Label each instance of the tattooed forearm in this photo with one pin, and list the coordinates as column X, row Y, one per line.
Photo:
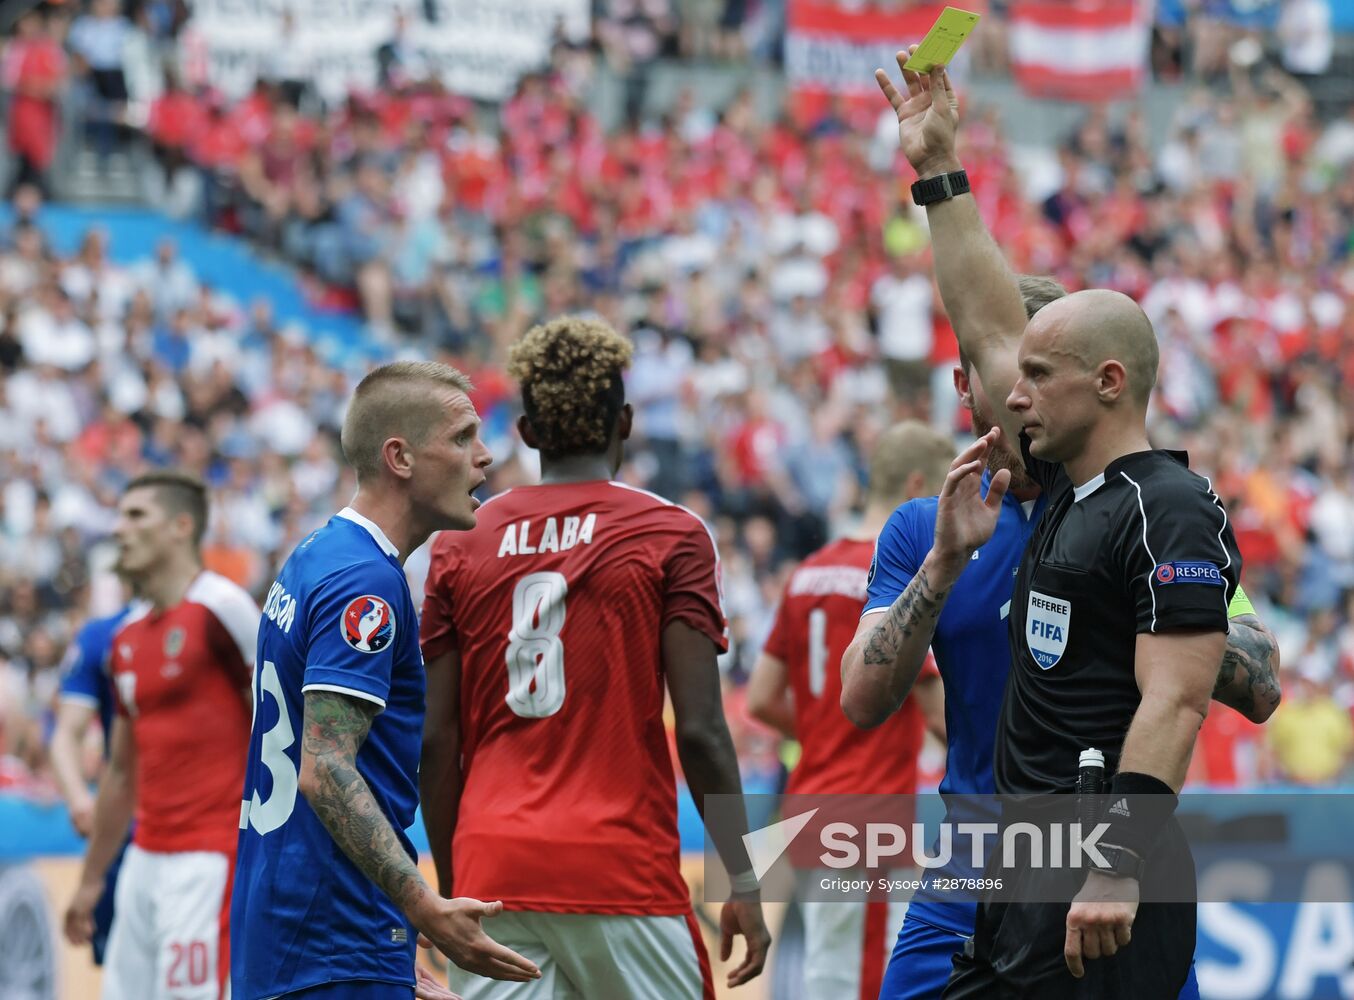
column 917, row 608
column 1248, row 679
column 883, row 661
column 333, row 730
column 911, row 621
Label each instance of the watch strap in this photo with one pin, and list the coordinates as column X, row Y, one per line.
column 1123, row 863
column 940, row 187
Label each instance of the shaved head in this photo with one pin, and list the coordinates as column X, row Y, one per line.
column 404, row 399
column 1098, row 325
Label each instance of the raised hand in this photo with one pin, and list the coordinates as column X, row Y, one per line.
column 965, row 519
column 928, row 115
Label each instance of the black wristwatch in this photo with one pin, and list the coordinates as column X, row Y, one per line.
column 1121, row 862
column 940, row 187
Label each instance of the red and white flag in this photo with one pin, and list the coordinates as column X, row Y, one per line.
column 1080, row 50
column 834, row 47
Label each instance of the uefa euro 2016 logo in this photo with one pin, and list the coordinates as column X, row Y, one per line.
column 368, row 626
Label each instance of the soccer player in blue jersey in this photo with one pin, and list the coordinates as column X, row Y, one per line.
column 86, row 695
column 924, row 592
column 329, row 901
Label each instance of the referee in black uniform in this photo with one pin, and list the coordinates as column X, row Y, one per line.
column 1119, row 617
column 1118, row 623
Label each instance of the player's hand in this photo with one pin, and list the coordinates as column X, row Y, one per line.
column 965, row 519
column 928, row 115
column 79, row 922
column 82, row 816
column 1100, row 921
column 744, row 917
column 428, row 988
column 453, row 927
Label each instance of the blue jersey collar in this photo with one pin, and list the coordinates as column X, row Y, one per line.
column 348, row 514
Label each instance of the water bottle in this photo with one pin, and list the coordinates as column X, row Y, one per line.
column 1090, row 784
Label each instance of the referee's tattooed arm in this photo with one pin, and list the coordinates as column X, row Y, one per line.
column 893, row 652
column 1248, row 680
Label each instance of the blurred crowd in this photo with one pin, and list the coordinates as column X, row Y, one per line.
column 776, row 282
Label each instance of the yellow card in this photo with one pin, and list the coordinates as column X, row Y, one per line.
column 943, row 40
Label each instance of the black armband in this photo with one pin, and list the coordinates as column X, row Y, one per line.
column 1139, row 805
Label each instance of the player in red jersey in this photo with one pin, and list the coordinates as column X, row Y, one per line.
column 181, row 672
column 550, row 631
column 796, row 688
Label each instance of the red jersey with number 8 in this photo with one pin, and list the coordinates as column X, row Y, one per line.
column 556, row 602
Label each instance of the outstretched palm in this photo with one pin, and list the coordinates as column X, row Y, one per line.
column 928, row 114
column 964, row 519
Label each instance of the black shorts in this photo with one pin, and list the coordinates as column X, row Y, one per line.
column 1018, row 946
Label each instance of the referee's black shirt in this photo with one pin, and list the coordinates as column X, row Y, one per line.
column 1144, row 547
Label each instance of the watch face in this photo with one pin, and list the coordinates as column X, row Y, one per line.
column 1121, row 863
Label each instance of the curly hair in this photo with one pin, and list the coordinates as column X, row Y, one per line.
column 572, row 391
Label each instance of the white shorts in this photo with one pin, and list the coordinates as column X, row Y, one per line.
column 847, row 947
column 586, row 956
column 170, row 935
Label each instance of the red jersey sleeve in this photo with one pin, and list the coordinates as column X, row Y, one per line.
column 778, row 642
column 232, row 624
column 437, row 627
column 692, row 592
column 226, row 653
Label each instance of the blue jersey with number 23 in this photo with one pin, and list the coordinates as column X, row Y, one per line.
column 338, row 618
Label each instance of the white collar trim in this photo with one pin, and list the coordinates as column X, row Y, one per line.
column 348, row 514
column 1087, row 488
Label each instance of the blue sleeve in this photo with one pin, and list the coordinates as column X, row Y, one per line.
column 353, row 621
column 83, row 679
column 898, row 554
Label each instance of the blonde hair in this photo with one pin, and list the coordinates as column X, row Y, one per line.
column 1037, row 291
column 395, row 400
column 572, row 391
column 906, row 448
